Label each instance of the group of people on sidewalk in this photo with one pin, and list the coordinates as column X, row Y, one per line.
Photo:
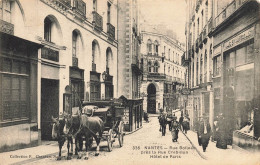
column 219, row 132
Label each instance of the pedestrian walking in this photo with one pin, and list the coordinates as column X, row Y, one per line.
column 221, row 133
column 175, row 130
column 204, row 132
column 185, row 125
column 181, row 122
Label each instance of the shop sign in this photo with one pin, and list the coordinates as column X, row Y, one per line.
column 246, row 35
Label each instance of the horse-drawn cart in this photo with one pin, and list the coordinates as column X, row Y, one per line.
column 111, row 114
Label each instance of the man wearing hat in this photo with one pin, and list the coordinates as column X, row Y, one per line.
column 204, row 132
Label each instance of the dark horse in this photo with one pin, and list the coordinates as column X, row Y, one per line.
column 59, row 132
column 88, row 127
column 163, row 121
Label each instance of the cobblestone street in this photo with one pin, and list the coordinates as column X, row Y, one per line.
column 143, row 146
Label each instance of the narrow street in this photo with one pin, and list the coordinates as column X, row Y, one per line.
column 144, row 146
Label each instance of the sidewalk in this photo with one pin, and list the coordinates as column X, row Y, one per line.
column 223, row 156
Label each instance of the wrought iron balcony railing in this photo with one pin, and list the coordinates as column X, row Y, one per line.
column 97, row 21
column 230, row 9
column 80, row 7
column 65, row 4
column 110, row 31
column 6, row 27
column 50, row 54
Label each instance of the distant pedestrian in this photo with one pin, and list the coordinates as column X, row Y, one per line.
column 175, row 130
column 204, row 132
column 185, row 125
column 181, row 122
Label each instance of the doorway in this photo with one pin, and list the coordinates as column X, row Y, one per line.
column 49, row 106
column 151, row 99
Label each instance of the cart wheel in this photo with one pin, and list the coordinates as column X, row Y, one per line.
column 121, row 134
column 110, row 140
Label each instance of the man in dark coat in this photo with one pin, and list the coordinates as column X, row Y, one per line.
column 181, row 121
column 204, row 132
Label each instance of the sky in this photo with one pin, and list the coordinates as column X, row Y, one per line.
column 169, row 12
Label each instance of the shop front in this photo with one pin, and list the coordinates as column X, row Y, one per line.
column 18, row 92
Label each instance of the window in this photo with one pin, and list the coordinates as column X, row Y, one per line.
column 156, row 65
column 95, row 5
column 198, row 27
column 47, row 29
column 149, row 66
column 156, row 47
column 149, row 46
column 169, row 54
column 94, row 91
column 5, row 11
column 108, row 12
column 74, row 44
column 14, row 84
column 216, row 65
column 93, row 52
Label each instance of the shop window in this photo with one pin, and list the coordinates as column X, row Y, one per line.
column 14, row 84
column 241, row 56
column 250, row 53
column 94, row 91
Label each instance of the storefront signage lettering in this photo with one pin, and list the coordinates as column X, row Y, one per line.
column 246, row 35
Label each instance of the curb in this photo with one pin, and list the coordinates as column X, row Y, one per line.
column 128, row 133
column 201, row 155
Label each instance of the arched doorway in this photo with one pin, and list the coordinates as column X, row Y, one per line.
column 151, row 99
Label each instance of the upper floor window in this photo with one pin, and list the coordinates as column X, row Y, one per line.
column 74, row 43
column 47, row 29
column 149, row 46
column 108, row 12
column 156, row 47
column 95, row 5
column 169, row 54
column 156, row 66
column 149, row 66
column 5, row 10
column 93, row 51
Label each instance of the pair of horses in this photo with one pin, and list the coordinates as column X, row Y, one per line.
column 76, row 127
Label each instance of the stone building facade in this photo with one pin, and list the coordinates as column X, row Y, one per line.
column 163, row 75
column 69, row 54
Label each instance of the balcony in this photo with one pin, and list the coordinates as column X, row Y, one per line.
column 156, row 76
column 136, row 66
column 79, row 7
column 186, row 59
column 97, row 21
column 75, row 61
column 110, row 31
column 204, row 35
column 94, row 67
column 63, row 4
column 200, row 40
column 6, row 27
column 229, row 10
column 210, row 26
column 50, row 54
